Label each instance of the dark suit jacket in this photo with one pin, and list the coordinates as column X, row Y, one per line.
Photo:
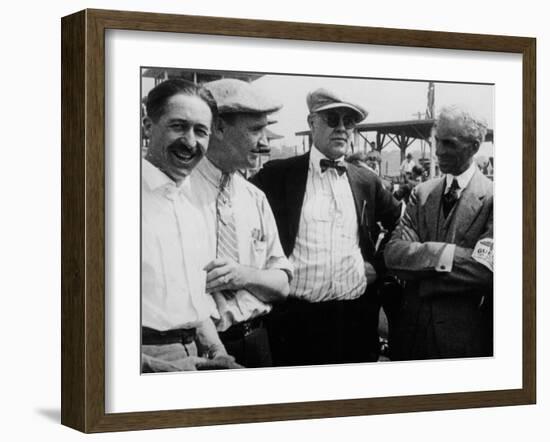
column 284, row 183
column 443, row 314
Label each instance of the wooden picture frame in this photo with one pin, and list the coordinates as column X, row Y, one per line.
column 83, row 219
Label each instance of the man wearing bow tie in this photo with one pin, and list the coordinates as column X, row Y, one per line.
column 327, row 213
column 443, row 251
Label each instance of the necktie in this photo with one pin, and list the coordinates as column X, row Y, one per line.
column 227, row 245
column 450, row 198
column 339, row 166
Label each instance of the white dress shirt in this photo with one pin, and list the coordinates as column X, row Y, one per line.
column 172, row 280
column 327, row 260
column 463, row 179
column 257, row 236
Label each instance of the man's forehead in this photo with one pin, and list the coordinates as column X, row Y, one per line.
column 184, row 100
column 186, row 107
column 446, row 130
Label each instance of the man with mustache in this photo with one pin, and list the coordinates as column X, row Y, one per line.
column 443, row 251
column 327, row 213
column 177, row 331
column 247, row 270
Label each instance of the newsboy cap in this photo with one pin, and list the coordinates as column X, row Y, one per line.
column 237, row 96
column 322, row 99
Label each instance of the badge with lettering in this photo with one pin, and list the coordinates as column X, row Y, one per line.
column 483, row 252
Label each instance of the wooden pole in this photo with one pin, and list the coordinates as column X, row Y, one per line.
column 432, row 155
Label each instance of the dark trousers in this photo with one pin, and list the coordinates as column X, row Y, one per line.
column 330, row 332
column 248, row 343
column 442, row 326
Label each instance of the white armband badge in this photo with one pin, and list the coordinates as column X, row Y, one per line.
column 483, row 252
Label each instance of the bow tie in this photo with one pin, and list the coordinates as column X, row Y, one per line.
column 339, row 166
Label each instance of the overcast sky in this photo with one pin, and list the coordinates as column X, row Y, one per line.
column 385, row 100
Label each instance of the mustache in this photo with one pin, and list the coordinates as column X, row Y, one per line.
column 179, row 144
column 261, row 150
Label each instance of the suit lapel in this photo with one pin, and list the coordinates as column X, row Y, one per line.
column 469, row 205
column 364, row 208
column 432, row 210
column 359, row 197
column 294, row 193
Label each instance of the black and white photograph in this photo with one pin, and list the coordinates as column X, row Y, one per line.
column 271, row 221
column 300, row 220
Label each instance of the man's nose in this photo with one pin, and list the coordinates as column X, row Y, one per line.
column 341, row 125
column 263, row 141
column 189, row 138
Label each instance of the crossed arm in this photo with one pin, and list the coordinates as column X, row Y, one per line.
column 268, row 285
column 439, row 267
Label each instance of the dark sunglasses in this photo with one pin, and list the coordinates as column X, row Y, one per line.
column 332, row 119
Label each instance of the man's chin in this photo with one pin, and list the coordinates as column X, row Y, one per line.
column 181, row 172
column 338, row 151
column 447, row 170
column 253, row 161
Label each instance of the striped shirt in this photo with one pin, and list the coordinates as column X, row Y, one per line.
column 327, row 260
column 257, row 235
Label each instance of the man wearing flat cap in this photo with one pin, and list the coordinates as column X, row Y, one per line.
column 248, row 270
column 327, row 213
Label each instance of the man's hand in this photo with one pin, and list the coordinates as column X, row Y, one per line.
column 370, row 273
column 226, row 274
column 218, row 363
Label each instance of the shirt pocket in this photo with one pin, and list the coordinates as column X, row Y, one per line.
column 320, row 208
column 258, row 253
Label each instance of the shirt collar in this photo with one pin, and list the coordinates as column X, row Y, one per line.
column 315, row 157
column 154, row 177
column 463, row 179
column 210, row 172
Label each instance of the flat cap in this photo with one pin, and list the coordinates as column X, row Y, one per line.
column 323, row 99
column 237, row 96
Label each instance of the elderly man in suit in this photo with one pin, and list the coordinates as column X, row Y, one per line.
column 442, row 251
column 327, row 212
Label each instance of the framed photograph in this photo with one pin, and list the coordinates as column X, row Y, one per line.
column 136, row 217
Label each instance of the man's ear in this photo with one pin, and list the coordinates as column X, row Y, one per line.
column 218, row 128
column 147, row 127
column 310, row 121
column 475, row 147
